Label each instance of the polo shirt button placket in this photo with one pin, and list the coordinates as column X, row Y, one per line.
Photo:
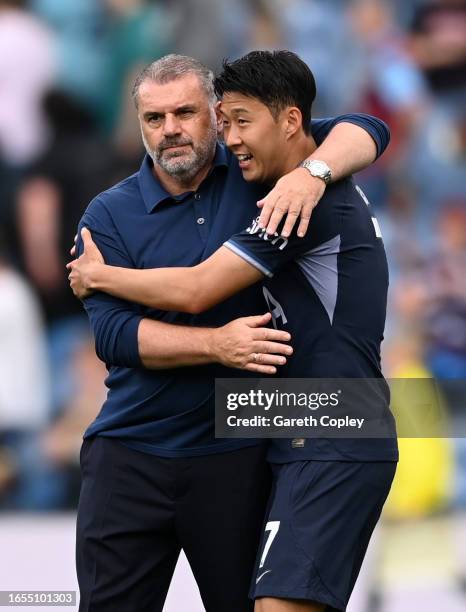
column 200, row 219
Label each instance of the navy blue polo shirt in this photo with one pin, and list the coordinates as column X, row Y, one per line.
column 329, row 290
column 137, row 224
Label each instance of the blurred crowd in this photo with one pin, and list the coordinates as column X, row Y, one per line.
column 68, row 131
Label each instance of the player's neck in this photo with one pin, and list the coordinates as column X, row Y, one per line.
column 299, row 149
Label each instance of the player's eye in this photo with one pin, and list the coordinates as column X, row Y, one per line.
column 242, row 122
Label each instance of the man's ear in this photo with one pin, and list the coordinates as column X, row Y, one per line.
column 219, row 117
column 294, row 121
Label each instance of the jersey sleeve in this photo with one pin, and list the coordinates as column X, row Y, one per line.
column 271, row 253
column 375, row 127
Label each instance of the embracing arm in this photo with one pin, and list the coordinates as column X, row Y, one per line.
column 348, row 149
column 347, row 144
column 192, row 290
column 125, row 337
column 244, row 343
column 122, row 338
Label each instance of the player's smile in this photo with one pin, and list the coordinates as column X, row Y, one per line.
column 244, row 160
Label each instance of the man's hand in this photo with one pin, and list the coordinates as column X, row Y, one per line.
column 246, row 344
column 83, row 269
column 294, row 195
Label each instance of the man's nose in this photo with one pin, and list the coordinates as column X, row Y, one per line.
column 171, row 126
column 231, row 136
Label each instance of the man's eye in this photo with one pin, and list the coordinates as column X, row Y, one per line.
column 155, row 119
column 186, row 113
column 242, row 122
column 226, row 124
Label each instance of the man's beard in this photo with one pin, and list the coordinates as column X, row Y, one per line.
column 183, row 165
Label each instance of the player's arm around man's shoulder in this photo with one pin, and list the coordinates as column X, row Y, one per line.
column 347, row 144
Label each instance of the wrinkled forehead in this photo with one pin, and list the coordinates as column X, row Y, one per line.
column 166, row 97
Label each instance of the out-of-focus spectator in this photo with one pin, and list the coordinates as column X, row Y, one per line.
column 24, row 376
column 59, row 445
column 138, row 33
column 437, row 165
column 428, row 312
column 404, row 11
column 401, row 232
column 430, row 296
column 265, row 31
column 211, row 30
column 392, row 88
column 243, row 23
column 446, row 311
column 77, row 166
column 424, row 479
column 27, row 68
column 39, row 451
column 39, row 468
column 80, row 30
column 318, row 32
column 438, row 43
column 198, row 31
column 62, row 441
column 24, row 389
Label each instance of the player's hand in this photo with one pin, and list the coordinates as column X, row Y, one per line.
column 83, row 270
column 246, row 344
column 294, row 195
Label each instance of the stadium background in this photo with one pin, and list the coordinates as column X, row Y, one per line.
column 68, row 130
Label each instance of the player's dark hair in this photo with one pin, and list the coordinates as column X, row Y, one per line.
column 277, row 78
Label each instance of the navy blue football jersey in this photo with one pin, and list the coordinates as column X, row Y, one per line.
column 329, row 290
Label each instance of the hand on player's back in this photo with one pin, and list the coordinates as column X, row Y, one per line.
column 246, row 344
column 82, row 269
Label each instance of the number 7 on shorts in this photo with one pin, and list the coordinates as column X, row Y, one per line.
column 273, row 527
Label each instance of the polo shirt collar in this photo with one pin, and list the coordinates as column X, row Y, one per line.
column 153, row 193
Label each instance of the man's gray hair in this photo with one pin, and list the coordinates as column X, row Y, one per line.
column 171, row 67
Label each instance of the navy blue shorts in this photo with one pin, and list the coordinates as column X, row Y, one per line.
column 319, row 521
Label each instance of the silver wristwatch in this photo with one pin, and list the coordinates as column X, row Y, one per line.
column 317, row 168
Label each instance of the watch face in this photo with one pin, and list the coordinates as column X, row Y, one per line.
column 319, row 167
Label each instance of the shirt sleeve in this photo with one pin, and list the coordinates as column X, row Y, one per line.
column 114, row 322
column 271, row 253
column 376, row 128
